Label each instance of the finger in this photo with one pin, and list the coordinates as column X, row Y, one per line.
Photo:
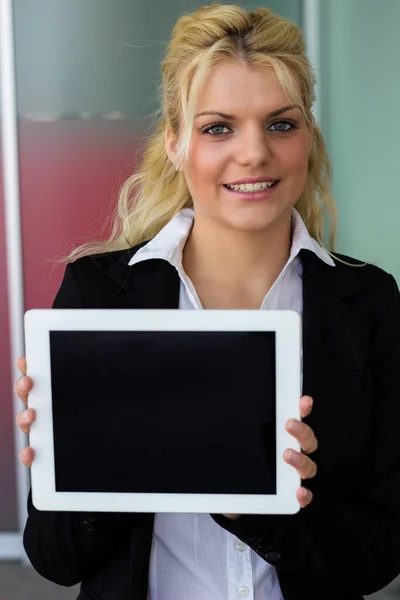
column 26, row 456
column 303, row 434
column 22, row 388
column 304, row 496
column 25, row 419
column 306, row 404
column 21, row 364
column 306, row 468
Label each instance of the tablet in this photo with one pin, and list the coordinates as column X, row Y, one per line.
column 163, row 410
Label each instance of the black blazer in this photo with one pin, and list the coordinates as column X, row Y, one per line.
column 347, row 541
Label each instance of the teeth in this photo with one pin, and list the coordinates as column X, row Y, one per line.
column 251, row 187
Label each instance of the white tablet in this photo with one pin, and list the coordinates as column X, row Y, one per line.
column 163, row 410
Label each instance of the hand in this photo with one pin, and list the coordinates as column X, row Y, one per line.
column 303, row 464
column 26, row 417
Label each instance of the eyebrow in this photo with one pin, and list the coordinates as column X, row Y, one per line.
column 274, row 113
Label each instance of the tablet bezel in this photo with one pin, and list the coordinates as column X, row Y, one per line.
column 287, row 327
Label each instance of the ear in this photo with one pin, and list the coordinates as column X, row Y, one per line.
column 171, row 147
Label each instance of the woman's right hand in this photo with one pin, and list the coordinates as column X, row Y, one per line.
column 26, row 417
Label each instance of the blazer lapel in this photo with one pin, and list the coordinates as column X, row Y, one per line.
column 152, row 283
column 335, row 343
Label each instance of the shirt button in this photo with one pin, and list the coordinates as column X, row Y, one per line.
column 243, row 592
column 241, row 546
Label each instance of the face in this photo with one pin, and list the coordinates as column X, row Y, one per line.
column 244, row 140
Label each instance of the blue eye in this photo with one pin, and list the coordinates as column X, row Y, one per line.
column 278, row 125
column 216, row 129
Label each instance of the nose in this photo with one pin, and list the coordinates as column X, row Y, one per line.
column 253, row 148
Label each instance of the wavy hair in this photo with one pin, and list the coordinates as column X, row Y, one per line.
column 152, row 195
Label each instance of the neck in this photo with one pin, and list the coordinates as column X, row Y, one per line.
column 242, row 266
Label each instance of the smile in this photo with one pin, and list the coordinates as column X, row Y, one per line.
column 251, row 187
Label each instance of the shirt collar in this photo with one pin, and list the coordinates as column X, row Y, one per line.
column 168, row 244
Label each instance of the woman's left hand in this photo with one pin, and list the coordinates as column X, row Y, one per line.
column 303, row 464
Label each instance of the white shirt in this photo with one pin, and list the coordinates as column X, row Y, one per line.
column 192, row 557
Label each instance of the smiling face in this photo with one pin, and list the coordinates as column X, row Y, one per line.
column 245, row 138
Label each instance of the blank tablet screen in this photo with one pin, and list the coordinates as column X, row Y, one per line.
column 164, row 412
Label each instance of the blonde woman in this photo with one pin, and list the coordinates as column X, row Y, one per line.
column 226, row 211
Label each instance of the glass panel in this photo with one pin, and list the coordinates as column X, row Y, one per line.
column 87, row 75
column 361, row 125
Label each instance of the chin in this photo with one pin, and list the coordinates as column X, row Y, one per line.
column 255, row 220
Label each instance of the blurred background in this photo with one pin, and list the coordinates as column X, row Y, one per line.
column 86, row 81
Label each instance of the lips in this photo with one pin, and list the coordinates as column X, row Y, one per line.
column 252, row 192
column 257, row 179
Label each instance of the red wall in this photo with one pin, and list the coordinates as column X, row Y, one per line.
column 70, row 173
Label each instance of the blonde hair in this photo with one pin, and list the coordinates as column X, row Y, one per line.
column 151, row 197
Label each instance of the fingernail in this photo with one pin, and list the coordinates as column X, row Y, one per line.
column 27, row 418
column 293, row 458
column 292, row 424
column 303, row 499
column 289, row 454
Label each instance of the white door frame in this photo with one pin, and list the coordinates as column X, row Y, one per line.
column 11, row 543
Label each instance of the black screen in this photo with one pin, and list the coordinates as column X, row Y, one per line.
column 164, row 412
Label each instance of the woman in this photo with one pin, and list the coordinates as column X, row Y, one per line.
column 226, row 212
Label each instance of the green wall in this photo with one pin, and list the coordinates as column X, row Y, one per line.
column 360, row 78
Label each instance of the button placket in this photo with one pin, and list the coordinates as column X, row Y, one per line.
column 250, row 575
column 239, row 569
